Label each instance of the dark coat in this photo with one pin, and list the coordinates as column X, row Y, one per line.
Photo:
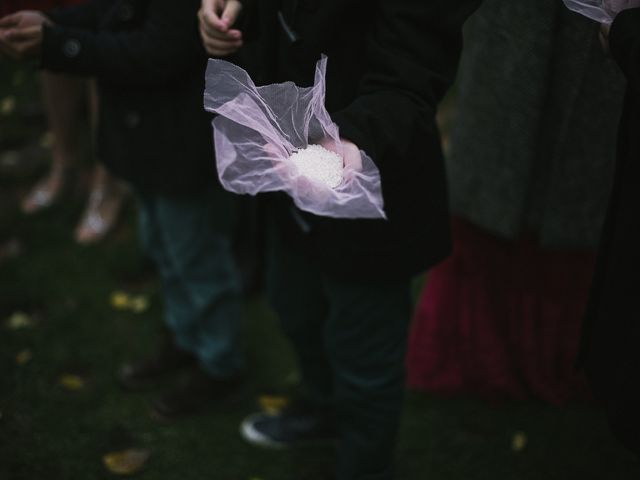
column 389, row 64
column 611, row 346
column 149, row 63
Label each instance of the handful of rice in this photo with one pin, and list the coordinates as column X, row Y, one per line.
column 319, row 164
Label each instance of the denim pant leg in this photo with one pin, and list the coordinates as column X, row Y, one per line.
column 150, row 234
column 366, row 337
column 202, row 288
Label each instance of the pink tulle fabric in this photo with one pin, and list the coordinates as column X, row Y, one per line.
column 602, row 11
column 501, row 320
column 257, row 129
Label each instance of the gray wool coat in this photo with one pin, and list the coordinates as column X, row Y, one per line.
column 534, row 141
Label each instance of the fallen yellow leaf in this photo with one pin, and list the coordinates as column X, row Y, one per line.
column 126, row 462
column 120, row 300
column 273, row 404
column 72, row 382
column 519, row 441
column 20, row 320
column 24, row 357
column 8, row 105
column 139, row 304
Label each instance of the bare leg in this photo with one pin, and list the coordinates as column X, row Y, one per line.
column 107, row 194
column 63, row 96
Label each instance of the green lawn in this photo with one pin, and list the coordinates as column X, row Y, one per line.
column 49, row 432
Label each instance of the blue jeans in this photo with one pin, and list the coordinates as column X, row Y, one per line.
column 189, row 239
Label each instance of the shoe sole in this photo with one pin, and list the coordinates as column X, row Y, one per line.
column 254, row 437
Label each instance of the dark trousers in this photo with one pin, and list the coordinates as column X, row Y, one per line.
column 350, row 338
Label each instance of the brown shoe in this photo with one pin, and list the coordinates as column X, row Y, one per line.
column 195, row 394
column 146, row 373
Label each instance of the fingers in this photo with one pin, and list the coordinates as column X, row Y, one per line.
column 22, row 34
column 216, row 18
column 21, row 43
column 220, row 47
column 210, row 15
column 214, row 32
column 10, row 20
column 231, row 12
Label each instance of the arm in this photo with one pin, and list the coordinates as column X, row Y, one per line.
column 412, row 54
column 157, row 52
column 624, row 43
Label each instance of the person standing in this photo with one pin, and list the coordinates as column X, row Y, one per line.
column 153, row 132
column 341, row 287
column 63, row 97
column 530, row 169
column 610, row 353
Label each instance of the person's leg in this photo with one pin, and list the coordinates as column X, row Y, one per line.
column 366, row 337
column 295, row 292
column 203, row 304
column 107, row 193
column 63, row 97
column 144, row 373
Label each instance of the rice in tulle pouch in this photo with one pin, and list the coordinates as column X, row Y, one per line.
column 280, row 137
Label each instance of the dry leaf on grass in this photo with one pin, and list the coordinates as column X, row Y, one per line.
column 72, row 382
column 519, row 442
column 123, row 301
column 24, row 357
column 8, row 105
column 20, row 320
column 126, row 462
column 119, row 300
column 139, row 304
column 273, row 404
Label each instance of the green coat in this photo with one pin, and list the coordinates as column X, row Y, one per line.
column 534, row 139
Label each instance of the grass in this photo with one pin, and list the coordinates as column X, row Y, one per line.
column 50, row 432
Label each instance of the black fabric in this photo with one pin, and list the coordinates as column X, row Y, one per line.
column 390, row 62
column 149, row 63
column 611, row 343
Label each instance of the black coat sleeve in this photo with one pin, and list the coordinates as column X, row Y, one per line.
column 86, row 15
column 157, row 52
column 624, row 41
column 412, row 56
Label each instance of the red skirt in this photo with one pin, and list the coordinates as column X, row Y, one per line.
column 501, row 319
column 11, row 6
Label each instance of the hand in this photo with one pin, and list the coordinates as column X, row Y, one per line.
column 21, row 33
column 350, row 153
column 216, row 19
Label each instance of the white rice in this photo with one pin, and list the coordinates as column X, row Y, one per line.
column 319, row 164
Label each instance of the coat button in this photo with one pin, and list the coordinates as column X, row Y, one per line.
column 132, row 119
column 126, row 12
column 71, row 48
